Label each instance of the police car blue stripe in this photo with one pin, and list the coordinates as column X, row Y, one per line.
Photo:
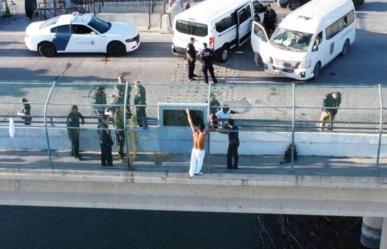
column 61, row 40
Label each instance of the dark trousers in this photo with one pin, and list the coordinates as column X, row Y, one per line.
column 210, row 68
column 74, row 139
column 120, row 137
column 142, row 120
column 232, row 156
column 191, row 68
column 106, row 155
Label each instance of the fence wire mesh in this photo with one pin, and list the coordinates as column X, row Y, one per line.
column 140, row 126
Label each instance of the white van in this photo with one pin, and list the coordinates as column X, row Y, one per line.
column 307, row 39
column 222, row 24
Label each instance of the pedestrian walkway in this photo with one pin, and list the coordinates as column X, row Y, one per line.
column 213, row 164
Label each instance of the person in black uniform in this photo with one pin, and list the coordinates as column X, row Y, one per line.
column 233, row 144
column 105, row 141
column 270, row 20
column 191, row 58
column 25, row 112
column 207, row 56
column 73, row 121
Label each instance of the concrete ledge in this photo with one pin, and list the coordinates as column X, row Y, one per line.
column 307, row 195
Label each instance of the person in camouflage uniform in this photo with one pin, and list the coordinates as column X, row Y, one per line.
column 140, row 99
column 331, row 103
column 119, row 124
column 100, row 100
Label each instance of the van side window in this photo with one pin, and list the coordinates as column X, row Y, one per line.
column 339, row 25
column 245, row 14
column 259, row 32
column 317, row 42
column 225, row 23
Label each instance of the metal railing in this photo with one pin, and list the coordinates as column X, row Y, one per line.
column 287, row 110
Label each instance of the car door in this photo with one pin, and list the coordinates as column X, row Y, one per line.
column 61, row 37
column 260, row 41
column 83, row 39
column 244, row 20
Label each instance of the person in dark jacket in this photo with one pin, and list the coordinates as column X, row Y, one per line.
column 207, row 57
column 73, row 123
column 25, row 112
column 215, row 105
column 140, row 102
column 100, row 100
column 233, row 144
column 105, row 141
column 119, row 124
column 191, row 58
column 270, row 20
column 331, row 103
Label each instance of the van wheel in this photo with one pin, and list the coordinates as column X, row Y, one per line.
column 47, row 49
column 294, row 4
column 223, row 55
column 116, row 48
column 317, row 70
column 345, row 50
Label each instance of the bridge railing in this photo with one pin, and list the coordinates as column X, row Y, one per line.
column 154, row 134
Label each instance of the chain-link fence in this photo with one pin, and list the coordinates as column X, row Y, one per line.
column 144, row 127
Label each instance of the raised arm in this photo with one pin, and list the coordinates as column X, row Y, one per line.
column 190, row 120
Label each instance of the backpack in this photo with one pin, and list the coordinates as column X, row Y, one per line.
column 288, row 154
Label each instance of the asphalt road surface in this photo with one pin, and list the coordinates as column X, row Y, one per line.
column 154, row 63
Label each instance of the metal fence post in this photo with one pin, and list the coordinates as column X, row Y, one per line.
column 209, row 123
column 380, row 124
column 126, row 124
column 45, row 122
column 293, row 121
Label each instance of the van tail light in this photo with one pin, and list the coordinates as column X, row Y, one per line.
column 211, row 43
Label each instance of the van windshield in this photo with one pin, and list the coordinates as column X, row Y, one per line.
column 291, row 40
column 191, row 28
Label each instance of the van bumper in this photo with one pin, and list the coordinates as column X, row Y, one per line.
column 298, row 74
column 178, row 50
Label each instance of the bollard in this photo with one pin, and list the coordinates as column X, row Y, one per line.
column 371, row 232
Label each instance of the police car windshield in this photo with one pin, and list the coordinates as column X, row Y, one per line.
column 49, row 22
column 191, row 28
column 99, row 25
column 291, row 40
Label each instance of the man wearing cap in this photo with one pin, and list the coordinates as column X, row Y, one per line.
column 207, row 56
column 73, row 121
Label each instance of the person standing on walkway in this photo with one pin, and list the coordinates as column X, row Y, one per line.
column 270, row 20
column 120, row 93
column 191, row 58
column 118, row 119
column 233, row 144
column 214, row 104
column 25, row 111
column 207, row 57
column 100, row 100
column 199, row 135
column 331, row 103
column 225, row 114
column 105, row 141
column 73, row 123
column 140, row 102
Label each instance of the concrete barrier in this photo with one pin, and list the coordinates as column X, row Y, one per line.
column 179, row 140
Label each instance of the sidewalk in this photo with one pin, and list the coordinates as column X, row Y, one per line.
column 178, row 163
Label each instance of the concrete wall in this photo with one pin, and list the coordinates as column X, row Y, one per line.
column 239, row 193
column 179, row 140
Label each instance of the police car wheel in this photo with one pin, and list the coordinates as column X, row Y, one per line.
column 345, row 50
column 316, row 70
column 47, row 49
column 116, row 49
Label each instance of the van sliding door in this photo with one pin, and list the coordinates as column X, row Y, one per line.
column 244, row 21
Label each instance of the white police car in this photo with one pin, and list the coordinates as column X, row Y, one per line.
column 81, row 33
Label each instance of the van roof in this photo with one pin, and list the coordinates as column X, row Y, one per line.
column 210, row 10
column 308, row 17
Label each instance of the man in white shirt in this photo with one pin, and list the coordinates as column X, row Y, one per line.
column 225, row 114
